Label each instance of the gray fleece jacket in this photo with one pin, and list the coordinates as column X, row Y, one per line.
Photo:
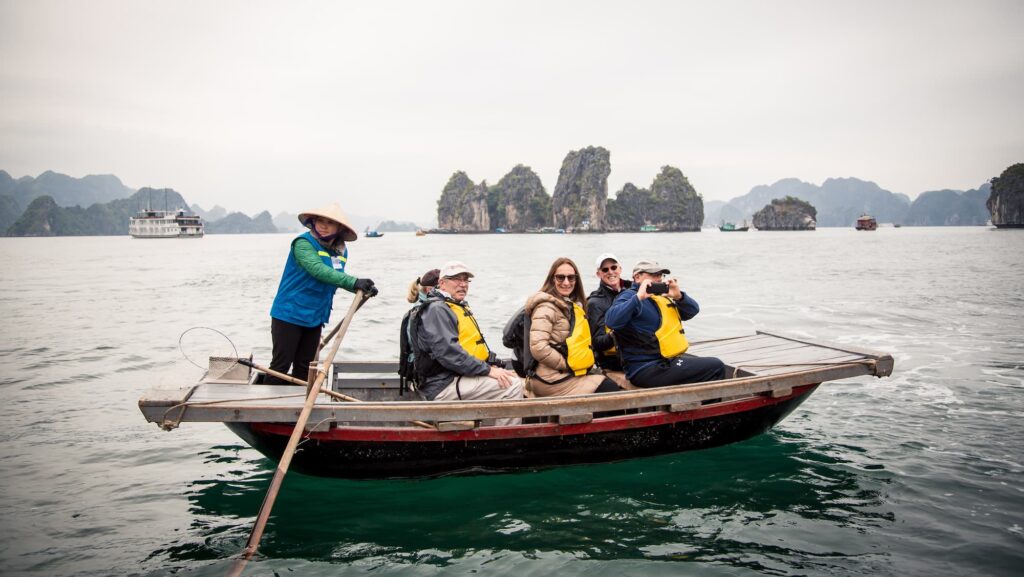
column 438, row 336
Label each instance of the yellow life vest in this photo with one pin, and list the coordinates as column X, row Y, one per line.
column 610, row 350
column 470, row 337
column 671, row 336
column 580, row 355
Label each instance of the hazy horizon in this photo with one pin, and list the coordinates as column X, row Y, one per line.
column 259, row 106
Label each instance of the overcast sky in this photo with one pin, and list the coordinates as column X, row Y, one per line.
column 289, row 105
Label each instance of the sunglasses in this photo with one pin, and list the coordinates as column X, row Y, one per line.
column 565, row 278
column 610, row 268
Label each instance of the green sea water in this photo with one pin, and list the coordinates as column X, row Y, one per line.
column 916, row 474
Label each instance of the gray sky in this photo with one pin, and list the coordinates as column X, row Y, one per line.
column 289, row 105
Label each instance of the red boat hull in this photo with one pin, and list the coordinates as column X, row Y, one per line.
column 396, row 452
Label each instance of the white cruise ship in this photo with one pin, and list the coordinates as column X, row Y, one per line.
column 165, row 224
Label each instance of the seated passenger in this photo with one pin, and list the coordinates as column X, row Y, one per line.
column 560, row 337
column 451, row 360
column 421, row 287
column 610, row 284
column 649, row 332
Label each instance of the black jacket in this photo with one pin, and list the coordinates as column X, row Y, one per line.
column 598, row 304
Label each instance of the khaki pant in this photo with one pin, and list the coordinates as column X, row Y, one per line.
column 483, row 388
column 621, row 380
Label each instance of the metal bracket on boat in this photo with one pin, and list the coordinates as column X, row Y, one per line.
column 577, row 419
column 446, row 426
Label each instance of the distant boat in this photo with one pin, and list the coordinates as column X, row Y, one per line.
column 165, row 224
column 896, row 224
column 730, row 227
column 648, row 228
column 866, row 222
column 500, row 230
column 421, row 232
column 372, row 233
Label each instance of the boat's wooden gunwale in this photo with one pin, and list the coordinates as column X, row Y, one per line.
column 226, row 410
column 778, row 364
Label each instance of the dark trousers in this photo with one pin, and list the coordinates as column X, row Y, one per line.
column 679, row 370
column 294, row 348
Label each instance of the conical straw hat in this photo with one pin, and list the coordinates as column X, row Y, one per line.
column 333, row 212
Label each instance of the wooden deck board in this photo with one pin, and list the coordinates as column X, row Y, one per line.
column 784, row 354
column 774, row 350
column 716, row 349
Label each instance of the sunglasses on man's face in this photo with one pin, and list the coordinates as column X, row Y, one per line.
column 565, row 278
column 610, row 268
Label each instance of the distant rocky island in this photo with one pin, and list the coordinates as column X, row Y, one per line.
column 51, row 205
column 580, row 203
column 840, row 201
column 519, row 202
column 786, row 214
column 1006, row 202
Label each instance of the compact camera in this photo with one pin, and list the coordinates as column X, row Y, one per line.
column 657, row 288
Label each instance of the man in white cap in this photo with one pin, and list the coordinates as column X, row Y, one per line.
column 611, row 284
column 452, row 357
column 647, row 321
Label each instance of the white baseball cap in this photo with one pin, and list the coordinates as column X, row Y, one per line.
column 604, row 257
column 454, row 268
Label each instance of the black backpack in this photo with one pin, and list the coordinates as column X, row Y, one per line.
column 516, row 336
column 406, row 350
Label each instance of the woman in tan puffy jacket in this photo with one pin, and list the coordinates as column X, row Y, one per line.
column 560, row 337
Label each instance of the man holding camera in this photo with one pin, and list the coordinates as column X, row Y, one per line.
column 647, row 322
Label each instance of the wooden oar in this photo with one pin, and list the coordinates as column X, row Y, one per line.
column 293, row 441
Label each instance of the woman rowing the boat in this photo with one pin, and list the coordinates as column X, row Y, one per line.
column 560, row 336
column 315, row 269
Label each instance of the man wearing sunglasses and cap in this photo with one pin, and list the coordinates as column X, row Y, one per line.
column 649, row 334
column 598, row 303
column 452, row 357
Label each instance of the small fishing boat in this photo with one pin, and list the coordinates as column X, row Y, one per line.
column 648, row 228
column 866, row 222
column 730, row 227
column 372, row 233
column 378, row 430
column 165, row 224
column 421, row 232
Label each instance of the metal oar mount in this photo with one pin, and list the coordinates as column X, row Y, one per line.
column 293, row 441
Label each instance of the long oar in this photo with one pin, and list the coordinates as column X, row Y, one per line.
column 293, row 441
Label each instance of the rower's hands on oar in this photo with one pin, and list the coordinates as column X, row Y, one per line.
column 366, row 285
column 503, row 376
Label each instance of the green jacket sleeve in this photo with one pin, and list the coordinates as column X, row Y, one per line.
column 309, row 260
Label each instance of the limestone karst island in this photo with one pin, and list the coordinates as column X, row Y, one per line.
column 580, row 203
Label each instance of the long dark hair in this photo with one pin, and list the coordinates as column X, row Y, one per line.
column 549, row 281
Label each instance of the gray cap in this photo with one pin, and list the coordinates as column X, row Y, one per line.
column 650, row 267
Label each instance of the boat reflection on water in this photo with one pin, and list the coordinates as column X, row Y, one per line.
column 735, row 505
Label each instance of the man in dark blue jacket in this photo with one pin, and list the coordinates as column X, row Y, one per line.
column 649, row 332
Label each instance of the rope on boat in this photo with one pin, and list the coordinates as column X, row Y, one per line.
column 868, row 362
column 188, row 330
column 169, row 424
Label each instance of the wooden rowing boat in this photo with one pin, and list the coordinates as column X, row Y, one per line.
column 384, row 436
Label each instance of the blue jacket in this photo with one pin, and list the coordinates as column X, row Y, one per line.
column 301, row 299
column 642, row 316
